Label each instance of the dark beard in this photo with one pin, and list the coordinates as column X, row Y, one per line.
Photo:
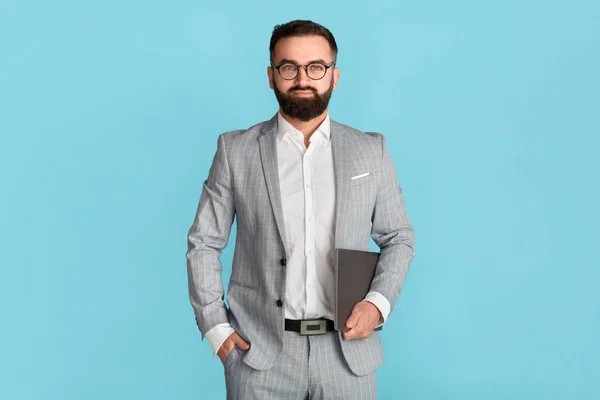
column 303, row 109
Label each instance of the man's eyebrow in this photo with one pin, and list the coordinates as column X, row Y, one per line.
column 318, row 60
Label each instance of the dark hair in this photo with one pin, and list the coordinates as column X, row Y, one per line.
column 301, row 28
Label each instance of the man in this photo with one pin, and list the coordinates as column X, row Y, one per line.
column 301, row 185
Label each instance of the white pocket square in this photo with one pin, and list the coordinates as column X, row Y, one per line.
column 360, row 176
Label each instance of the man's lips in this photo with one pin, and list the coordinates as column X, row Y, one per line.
column 303, row 93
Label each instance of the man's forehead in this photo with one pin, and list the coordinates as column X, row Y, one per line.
column 303, row 49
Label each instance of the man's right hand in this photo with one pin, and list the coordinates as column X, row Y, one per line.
column 233, row 340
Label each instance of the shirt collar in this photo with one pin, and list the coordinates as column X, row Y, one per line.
column 283, row 127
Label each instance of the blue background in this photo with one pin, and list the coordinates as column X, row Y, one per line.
column 109, row 117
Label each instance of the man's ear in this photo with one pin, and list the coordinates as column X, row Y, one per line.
column 270, row 74
column 336, row 76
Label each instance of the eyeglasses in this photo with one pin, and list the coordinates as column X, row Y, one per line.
column 314, row 71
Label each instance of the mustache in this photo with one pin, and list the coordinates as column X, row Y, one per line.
column 303, row 88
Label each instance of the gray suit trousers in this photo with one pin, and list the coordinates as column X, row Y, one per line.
column 310, row 367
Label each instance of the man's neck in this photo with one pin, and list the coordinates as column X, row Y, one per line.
column 306, row 127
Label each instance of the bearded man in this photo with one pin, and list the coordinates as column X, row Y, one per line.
column 300, row 185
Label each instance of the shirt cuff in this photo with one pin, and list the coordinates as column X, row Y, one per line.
column 381, row 303
column 217, row 335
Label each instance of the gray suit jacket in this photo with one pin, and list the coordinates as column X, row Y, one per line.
column 243, row 181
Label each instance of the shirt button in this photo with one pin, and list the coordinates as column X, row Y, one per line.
column 283, row 262
column 279, row 303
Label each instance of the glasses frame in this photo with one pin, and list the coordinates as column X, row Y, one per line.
column 305, row 67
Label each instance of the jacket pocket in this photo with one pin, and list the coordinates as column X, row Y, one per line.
column 361, row 180
column 243, row 285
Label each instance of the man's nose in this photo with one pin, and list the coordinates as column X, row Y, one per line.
column 302, row 78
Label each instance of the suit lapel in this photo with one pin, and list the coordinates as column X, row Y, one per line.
column 342, row 163
column 268, row 154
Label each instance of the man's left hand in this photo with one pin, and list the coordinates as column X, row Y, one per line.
column 363, row 320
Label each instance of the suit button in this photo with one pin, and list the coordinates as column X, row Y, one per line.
column 283, row 262
column 279, row 303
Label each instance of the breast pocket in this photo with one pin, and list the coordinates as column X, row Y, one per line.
column 361, row 192
column 361, row 179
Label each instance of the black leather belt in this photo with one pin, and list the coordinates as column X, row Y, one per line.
column 309, row 326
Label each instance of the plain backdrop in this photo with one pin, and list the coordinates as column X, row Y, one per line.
column 109, row 117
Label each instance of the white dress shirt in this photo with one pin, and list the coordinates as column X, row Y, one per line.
column 307, row 184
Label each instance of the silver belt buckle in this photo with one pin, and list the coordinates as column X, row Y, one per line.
column 313, row 327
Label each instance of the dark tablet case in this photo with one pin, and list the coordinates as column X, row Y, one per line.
column 354, row 271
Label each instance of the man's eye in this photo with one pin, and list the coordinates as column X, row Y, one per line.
column 288, row 68
column 316, row 67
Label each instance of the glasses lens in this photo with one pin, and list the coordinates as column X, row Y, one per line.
column 288, row 71
column 316, row 71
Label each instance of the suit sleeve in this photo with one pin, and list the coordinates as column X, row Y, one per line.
column 207, row 237
column 392, row 232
